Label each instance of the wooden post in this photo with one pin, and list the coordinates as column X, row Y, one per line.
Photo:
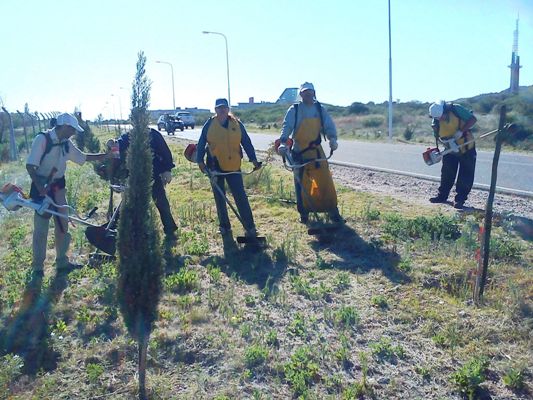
column 481, row 278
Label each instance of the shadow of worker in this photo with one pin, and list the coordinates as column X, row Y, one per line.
column 355, row 254
column 27, row 333
column 250, row 263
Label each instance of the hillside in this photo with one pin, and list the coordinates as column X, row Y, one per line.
column 410, row 119
column 380, row 310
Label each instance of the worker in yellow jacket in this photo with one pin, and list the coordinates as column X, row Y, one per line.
column 452, row 124
column 223, row 138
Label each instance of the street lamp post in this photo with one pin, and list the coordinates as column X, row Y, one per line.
column 120, row 109
column 172, row 71
column 227, row 58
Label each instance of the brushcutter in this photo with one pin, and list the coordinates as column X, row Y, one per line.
column 190, row 154
column 290, row 165
column 13, row 198
column 433, row 155
column 212, row 175
column 104, row 236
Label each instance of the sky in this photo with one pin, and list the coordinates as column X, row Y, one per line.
column 66, row 55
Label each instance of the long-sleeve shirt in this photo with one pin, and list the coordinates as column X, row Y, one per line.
column 306, row 111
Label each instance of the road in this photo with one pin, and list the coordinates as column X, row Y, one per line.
column 515, row 170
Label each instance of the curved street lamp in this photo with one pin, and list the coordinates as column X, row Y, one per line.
column 227, row 58
column 172, row 71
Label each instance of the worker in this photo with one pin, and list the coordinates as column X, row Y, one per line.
column 223, row 137
column 305, row 122
column 46, row 165
column 452, row 124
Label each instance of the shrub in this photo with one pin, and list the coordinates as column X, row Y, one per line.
column 373, row 121
column 470, row 376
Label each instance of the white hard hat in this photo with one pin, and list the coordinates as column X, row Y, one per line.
column 436, row 109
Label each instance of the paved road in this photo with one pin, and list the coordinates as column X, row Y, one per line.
column 515, row 170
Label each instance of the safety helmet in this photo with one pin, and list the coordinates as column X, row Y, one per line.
column 436, row 109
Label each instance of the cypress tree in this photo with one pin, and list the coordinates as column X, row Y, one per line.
column 139, row 253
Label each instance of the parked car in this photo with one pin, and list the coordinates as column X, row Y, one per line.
column 170, row 123
column 186, row 117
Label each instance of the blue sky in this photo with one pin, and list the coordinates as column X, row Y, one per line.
column 58, row 55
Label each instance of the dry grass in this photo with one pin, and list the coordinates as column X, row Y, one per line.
column 366, row 313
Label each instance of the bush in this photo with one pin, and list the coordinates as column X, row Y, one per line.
column 358, row 108
column 373, row 121
column 408, row 132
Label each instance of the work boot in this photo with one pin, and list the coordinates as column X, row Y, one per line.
column 459, row 205
column 65, row 268
column 438, row 199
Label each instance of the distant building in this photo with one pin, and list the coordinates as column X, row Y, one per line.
column 288, row 96
column 515, row 64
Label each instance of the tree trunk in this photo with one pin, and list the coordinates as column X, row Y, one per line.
column 143, row 349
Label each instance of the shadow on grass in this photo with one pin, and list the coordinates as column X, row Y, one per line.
column 523, row 227
column 360, row 256
column 27, row 333
column 251, row 263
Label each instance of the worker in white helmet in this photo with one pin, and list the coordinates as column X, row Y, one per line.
column 452, row 124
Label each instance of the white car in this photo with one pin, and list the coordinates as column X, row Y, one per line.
column 186, row 117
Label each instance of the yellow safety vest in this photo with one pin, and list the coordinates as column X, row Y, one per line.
column 451, row 124
column 224, row 144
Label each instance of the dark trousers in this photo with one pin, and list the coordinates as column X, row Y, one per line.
column 161, row 202
column 236, row 186
column 466, row 164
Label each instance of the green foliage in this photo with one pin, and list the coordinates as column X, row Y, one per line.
column 358, row 108
column 10, row 369
column 139, row 253
column 504, row 248
column 408, row 132
column 385, row 350
column 255, row 356
column 435, row 228
column 470, row 376
column 183, row 281
column 301, row 371
column 346, row 317
column 379, row 301
column 94, row 372
column 373, row 121
column 513, row 378
column 87, row 141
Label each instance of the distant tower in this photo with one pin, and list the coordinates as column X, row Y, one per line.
column 515, row 63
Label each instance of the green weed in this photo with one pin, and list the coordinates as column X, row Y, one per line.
column 301, row 371
column 185, row 280
column 385, row 350
column 10, row 369
column 94, row 372
column 379, row 301
column 513, row 378
column 435, row 228
column 470, row 376
column 255, row 355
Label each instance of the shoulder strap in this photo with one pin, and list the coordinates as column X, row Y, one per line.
column 50, row 144
column 319, row 107
column 48, row 147
column 295, row 118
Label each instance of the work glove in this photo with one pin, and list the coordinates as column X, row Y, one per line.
column 283, row 150
column 451, row 145
column 166, row 177
column 257, row 165
column 333, row 145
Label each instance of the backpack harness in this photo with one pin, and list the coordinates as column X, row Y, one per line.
column 50, row 144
